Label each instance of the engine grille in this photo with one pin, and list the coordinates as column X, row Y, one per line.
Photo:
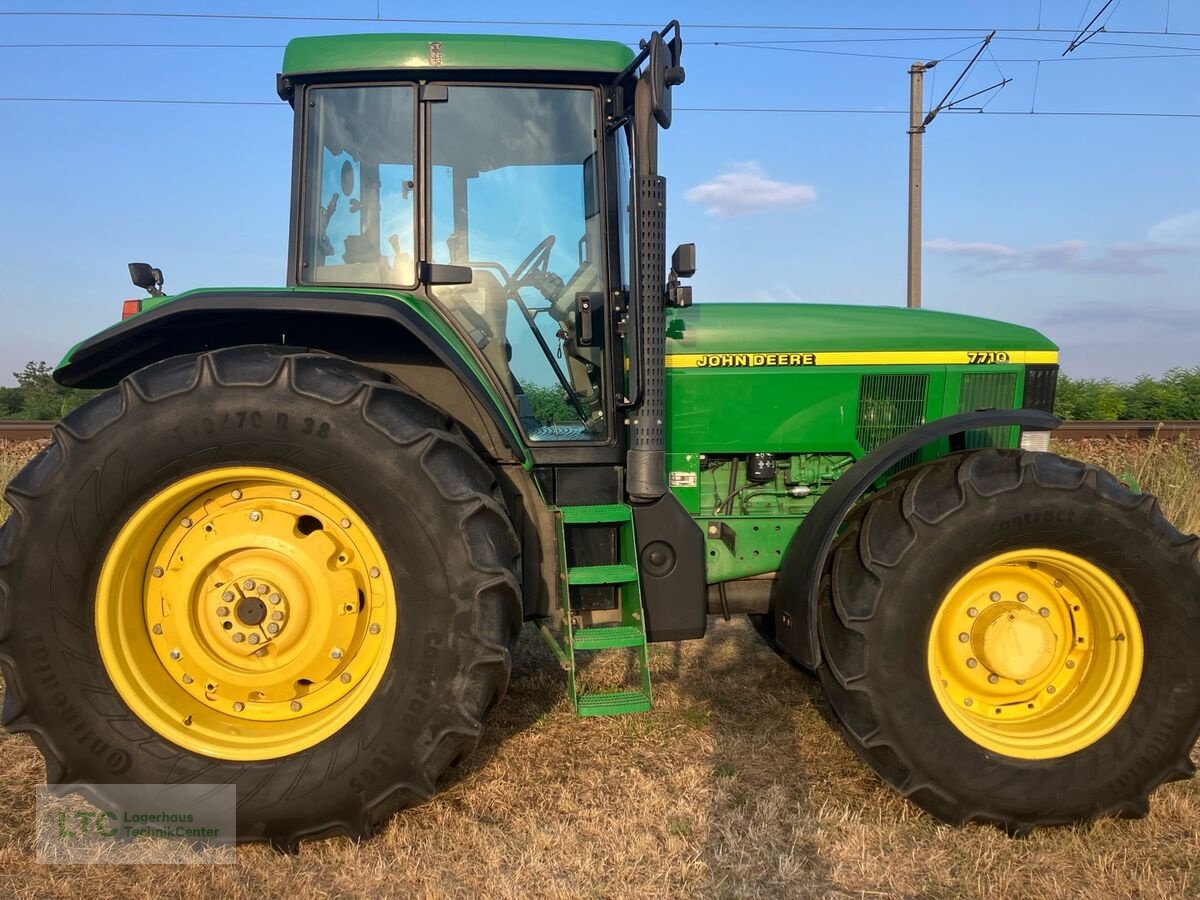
column 889, row 405
column 987, row 390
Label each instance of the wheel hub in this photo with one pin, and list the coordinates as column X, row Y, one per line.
column 267, row 613
column 1013, row 641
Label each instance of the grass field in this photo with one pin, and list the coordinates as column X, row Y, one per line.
column 734, row 786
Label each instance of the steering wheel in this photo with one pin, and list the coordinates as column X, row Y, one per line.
column 537, row 261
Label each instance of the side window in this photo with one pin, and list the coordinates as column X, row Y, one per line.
column 359, row 203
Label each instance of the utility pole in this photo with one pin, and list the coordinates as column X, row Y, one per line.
column 916, row 134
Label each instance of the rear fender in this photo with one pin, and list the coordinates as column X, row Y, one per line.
column 388, row 331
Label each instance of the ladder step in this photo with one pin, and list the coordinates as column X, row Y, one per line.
column 602, row 637
column 612, row 703
column 595, row 515
column 618, row 574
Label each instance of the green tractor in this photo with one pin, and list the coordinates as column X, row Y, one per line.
column 292, row 544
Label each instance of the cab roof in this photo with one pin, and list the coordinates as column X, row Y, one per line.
column 378, row 52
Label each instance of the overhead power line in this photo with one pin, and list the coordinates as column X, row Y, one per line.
column 564, row 23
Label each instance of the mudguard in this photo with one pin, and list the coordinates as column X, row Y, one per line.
column 362, row 325
column 794, row 596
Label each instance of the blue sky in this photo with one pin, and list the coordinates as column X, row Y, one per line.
column 1087, row 228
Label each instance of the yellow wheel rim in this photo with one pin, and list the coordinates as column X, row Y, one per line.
column 1035, row 654
column 245, row 613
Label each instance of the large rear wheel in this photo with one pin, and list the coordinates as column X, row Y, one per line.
column 261, row 567
column 1010, row 637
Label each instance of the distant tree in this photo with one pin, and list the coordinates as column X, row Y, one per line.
column 549, row 404
column 38, row 396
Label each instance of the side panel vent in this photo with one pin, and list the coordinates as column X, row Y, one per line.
column 1040, row 385
column 889, row 405
column 987, row 390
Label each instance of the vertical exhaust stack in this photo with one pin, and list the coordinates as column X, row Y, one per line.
column 645, row 477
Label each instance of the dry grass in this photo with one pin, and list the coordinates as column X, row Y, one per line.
column 734, row 786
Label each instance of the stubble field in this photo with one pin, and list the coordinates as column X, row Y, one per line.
column 734, row 786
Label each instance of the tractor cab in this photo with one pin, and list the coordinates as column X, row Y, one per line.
column 502, row 200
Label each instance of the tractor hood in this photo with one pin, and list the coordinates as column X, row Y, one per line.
column 816, row 334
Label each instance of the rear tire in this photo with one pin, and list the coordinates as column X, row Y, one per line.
column 1098, row 735
column 416, row 485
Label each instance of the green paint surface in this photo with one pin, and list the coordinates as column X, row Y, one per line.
column 375, row 52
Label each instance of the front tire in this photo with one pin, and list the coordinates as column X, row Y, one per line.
column 1010, row 638
column 373, row 572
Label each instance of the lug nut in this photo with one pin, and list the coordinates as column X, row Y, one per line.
column 261, row 651
column 994, row 596
column 275, row 598
column 374, row 571
column 345, row 523
column 968, row 702
column 296, row 706
column 222, row 611
column 263, row 589
column 248, row 584
column 158, row 572
column 972, row 612
column 238, row 638
column 273, row 628
column 255, row 516
column 1070, row 663
column 187, row 679
column 277, row 616
column 374, row 629
column 964, row 637
column 157, row 629
column 176, row 653
column 1022, row 596
column 295, row 494
column 1057, row 583
column 345, row 678
column 335, row 653
column 1050, row 689
column 972, row 663
column 227, row 596
column 237, row 495
column 1044, row 613
column 254, row 638
column 186, row 523
column 238, row 706
column 993, row 679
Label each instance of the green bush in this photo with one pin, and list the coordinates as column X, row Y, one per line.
column 1174, row 396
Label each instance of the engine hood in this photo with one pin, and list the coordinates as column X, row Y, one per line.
column 805, row 329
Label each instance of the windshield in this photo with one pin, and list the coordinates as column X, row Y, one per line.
column 359, row 227
column 514, row 196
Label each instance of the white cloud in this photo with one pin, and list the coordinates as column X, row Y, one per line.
column 1181, row 230
column 747, row 190
column 1123, row 258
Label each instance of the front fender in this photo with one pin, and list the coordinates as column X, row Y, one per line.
column 794, row 596
column 366, row 326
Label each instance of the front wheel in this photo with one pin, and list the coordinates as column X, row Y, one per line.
column 258, row 567
column 1011, row 638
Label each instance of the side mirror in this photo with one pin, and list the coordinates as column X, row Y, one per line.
column 656, row 76
column 683, row 261
column 147, row 278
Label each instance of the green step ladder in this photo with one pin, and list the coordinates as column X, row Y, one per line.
column 630, row 632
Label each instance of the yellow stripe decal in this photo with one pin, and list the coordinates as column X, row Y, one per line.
column 788, row 359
